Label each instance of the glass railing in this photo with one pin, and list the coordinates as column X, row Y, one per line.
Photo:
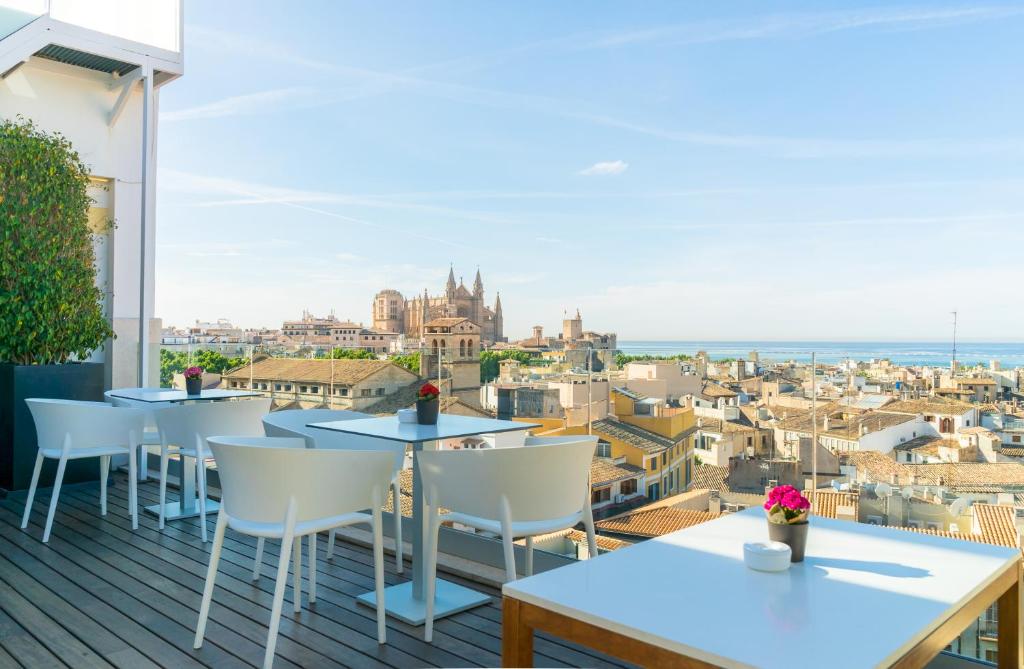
column 16, row 14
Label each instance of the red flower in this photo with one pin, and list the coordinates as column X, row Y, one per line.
column 428, row 391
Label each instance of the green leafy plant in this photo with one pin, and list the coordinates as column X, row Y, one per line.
column 50, row 306
column 489, row 362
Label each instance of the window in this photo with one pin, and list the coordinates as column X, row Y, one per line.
column 365, row 392
column 380, row 391
column 664, row 458
column 1016, row 438
column 288, row 387
column 750, row 441
column 234, row 384
column 303, row 389
column 604, row 449
column 601, row 495
column 654, row 464
column 277, row 386
column 628, row 487
column 314, row 389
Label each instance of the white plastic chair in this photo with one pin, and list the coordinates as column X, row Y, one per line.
column 186, row 426
column 513, row 492
column 69, row 430
column 151, row 436
column 294, row 423
column 274, row 487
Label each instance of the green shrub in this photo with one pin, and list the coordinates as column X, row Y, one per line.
column 50, row 309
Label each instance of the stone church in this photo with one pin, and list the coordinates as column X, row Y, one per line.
column 394, row 313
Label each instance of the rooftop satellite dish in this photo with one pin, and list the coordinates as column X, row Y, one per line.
column 907, row 492
column 958, row 506
column 883, row 489
column 836, row 485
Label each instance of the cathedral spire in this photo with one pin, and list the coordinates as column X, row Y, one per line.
column 450, row 287
column 497, row 304
column 478, row 284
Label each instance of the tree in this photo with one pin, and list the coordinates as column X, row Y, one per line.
column 410, row 361
column 623, row 359
column 489, row 367
column 352, row 354
column 175, row 362
column 50, row 307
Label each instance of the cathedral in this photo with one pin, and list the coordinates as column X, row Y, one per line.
column 393, row 313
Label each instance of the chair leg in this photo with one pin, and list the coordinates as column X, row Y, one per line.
column 279, row 585
column 396, row 499
column 258, row 562
column 330, row 544
column 378, row 569
column 32, row 490
column 53, row 497
column 133, row 489
column 312, row 567
column 433, row 527
column 163, row 483
column 529, row 556
column 104, row 473
column 201, row 485
column 211, row 576
column 143, row 462
column 297, row 575
column 510, row 555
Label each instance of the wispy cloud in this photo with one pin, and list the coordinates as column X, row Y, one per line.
column 605, row 168
column 807, row 24
column 250, row 103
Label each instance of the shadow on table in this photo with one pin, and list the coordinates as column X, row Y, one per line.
column 882, row 568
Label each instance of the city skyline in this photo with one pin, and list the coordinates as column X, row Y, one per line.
column 683, row 173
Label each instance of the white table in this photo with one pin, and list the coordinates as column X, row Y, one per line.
column 405, row 601
column 865, row 596
column 188, row 504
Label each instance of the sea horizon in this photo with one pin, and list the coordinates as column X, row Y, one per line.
column 910, row 353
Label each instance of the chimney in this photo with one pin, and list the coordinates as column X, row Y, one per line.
column 892, row 479
column 714, row 502
column 824, row 424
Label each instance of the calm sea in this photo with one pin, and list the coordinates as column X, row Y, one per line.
column 901, row 353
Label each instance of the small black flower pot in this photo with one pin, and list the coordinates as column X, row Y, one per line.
column 426, row 411
column 793, row 535
column 193, row 386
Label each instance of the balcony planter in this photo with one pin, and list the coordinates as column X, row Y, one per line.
column 72, row 381
column 427, row 410
column 51, row 314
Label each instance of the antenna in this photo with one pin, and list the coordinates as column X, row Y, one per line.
column 953, row 368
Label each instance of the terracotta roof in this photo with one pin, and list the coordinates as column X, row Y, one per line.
column 649, row 442
column 827, row 502
column 604, row 471
column 580, row 538
column 981, row 476
column 345, row 372
column 709, row 477
column 654, row 522
column 849, row 427
column 1012, row 451
column 631, row 394
column 723, row 426
column 939, row 406
column 715, row 390
column 997, row 523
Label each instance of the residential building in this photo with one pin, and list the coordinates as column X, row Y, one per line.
column 337, row 384
column 669, row 380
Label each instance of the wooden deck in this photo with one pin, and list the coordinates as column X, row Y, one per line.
column 102, row 595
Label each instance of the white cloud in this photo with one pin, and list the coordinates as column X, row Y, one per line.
column 605, row 168
column 250, row 103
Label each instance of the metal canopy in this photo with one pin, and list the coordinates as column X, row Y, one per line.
column 82, row 59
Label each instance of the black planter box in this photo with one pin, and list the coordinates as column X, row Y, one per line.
column 73, row 381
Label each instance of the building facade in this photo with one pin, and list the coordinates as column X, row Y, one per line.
column 392, row 312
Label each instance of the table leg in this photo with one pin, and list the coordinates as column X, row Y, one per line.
column 516, row 638
column 1009, row 632
column 418, row 540
column 188, row 504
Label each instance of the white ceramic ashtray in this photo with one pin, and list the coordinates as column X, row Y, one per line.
column 407, row 415
column 767, row 555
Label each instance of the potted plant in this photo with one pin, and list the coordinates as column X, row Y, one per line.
column 787, row 519
column 51, row 313
column 194, row 380
column 427, row 404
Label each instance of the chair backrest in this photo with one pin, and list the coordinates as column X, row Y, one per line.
column 295, row 424
column 539, row 482
column 551, row 441
column 85, row 424
column 259, row 477
column 181, row 424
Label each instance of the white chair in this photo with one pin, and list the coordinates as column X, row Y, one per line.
column 151, row 437
column 513, row 492
column 69, row 430
column 294, row 423
column 186, row 426
column 274, row 487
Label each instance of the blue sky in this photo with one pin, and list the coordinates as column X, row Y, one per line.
column 742, row 170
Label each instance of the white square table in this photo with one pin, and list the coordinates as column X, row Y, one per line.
column 864, row 596
column 188, row 504
column 405, row 601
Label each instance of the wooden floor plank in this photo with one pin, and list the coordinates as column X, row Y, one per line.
column 23, row 647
